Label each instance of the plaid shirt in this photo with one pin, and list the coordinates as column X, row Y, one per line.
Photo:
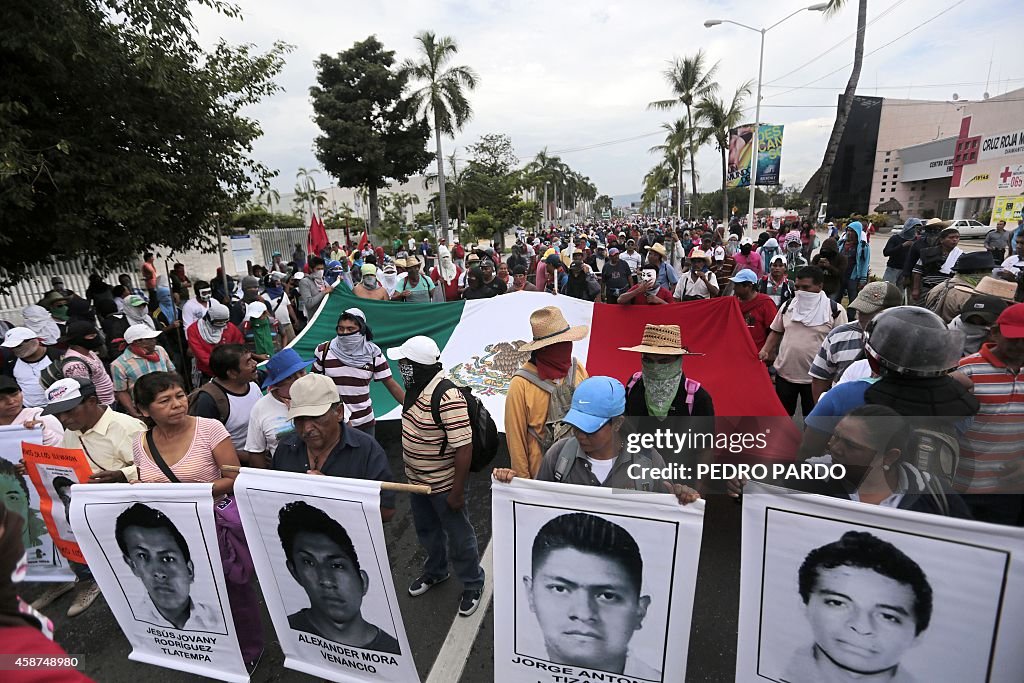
column 128, row 368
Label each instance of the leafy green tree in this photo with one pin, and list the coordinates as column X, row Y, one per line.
column 442, row 97
column 482, row 225
column 602, row 204
column 258, row 218
column 118, row 131
column 370, row 132
column 720, row 117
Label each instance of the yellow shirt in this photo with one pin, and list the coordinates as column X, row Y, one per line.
column 108, row 445
column 526, row 407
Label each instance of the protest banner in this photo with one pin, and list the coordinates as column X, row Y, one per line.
column 769, row 155
column 45, row 563
column 154, row 553
column 591, row 583
column 318, row 547
column 833, row 589
column 55, row 471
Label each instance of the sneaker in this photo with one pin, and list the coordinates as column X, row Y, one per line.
column 52, row 593
column 85, row 595
column 470, row 601
column 424, row 583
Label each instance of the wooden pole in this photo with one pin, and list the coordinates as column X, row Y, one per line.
column 384, row 485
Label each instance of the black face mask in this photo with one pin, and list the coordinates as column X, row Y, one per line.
column 746, row 248
column 415, row 377
column 93, row 343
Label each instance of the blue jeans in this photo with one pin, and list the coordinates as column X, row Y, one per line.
column 443, row 531
column 81, row 571
column 848, row 286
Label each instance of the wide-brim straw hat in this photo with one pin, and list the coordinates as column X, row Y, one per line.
column 550, row 327
column 992, row 286
column 658, row 249
column 663, row 340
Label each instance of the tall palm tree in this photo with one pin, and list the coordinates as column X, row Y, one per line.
column 442, row 97
column 456, row 187
column 691, row 81
column 307, row 183
column 657, row 179
column 543, row 170
column 271, row 197
column 720, row 117
column 676, row 150
column 819, row 181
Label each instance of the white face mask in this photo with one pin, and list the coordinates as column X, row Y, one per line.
column 648, row 276
column 370, row 281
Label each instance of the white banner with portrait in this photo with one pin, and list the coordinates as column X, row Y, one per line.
column 318, row 546
column 154, row 553
column 833, row 589
column 45, row 563
column 592, row 584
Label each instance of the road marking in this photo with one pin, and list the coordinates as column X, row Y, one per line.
column 451, row 660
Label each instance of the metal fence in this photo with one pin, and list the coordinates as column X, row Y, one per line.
column 74, row 272
column 281, row 240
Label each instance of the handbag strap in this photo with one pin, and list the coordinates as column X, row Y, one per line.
column 159, row 460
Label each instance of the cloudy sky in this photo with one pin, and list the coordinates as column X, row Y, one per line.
column 575, row 74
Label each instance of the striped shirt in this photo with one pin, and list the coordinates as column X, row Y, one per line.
column 353, row 383
column 95, row 372
column 995, row 436
column 197, row 466
column 128, row 368
column 839, row 349
column 421, row 438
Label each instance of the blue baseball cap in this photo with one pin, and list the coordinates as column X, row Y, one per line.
column 283, row 364
column 595, row 401
column 745, row 275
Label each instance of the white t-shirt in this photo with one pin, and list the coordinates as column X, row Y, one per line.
column 858, row 369
column 601, row 468
column 282, row 315
column 192, row 311
column 1012, row 264
column 634, row 260
column 27, row 376
column 268, row 424
column 688, row 287
column 53, row 430
column 237, row 423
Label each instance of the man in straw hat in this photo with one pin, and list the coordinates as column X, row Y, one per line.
column 949, row 297
column 699, row 282
column 541, row 391
column 657, row 258
column 414, row 288
column 595, row 453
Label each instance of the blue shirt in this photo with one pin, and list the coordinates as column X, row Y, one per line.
column 667, row 277
column 835, row 403
column 356, row 456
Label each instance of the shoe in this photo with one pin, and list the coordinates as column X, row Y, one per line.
column 52, row 593
column 470, row 601
column 425, row 583
column 85, row 595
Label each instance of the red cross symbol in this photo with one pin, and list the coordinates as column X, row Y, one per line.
column 1005, row 175
column 966, row 152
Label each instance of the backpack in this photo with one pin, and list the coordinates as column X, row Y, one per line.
column 220, row 399
column 559, row 402
column 485, row 432
column 935, row 301
column 567, row 458
column 691, row 387
column 55, row 370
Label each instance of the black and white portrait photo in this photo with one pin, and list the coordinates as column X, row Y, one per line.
column 58, row 482
column 827, row 599
column 322, row 559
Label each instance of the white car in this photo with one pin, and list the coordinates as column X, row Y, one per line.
column 970, row 228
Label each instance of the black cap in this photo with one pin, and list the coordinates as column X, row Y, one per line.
column 8, row 385
column 974, row 261
column 984, row 306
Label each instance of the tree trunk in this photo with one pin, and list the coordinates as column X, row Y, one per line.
column 374, row 211
column 832, row 149
column 725, row 194
column 442, row 195
column 693, row 156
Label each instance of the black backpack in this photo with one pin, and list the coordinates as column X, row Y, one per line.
column 485, row 432
column 55, row 370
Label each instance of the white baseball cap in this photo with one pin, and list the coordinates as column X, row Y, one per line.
column 255, row 309
column 139, row 332
column 419, row 349
column 312, row 396
column 65, row 394
column 298, row 275
column 16, row 336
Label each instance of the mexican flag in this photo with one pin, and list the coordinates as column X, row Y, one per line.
column 479, row 343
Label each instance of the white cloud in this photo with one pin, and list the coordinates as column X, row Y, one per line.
column 575, row 73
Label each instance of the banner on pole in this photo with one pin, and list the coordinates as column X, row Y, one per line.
column 318, row 547
column 591, row 584
column 833, row 589
column 154, row 553
column 769, row 156
column 45, row 563
column 55, row 471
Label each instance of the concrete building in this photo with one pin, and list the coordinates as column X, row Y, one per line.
column 936, row 158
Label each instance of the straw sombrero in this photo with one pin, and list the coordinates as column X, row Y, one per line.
column 662, row 340
column 550, row 327
column 996, row 287
column 658, row 249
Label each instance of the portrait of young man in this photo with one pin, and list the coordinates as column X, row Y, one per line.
column 586, row 591
column 62, row 487
column 322, row 559
column 159, row 557
column 867, row 604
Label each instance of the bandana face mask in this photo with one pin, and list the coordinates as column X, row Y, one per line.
column 370, row 281
column 205, row 294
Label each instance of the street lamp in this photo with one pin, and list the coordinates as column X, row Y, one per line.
column 818, row 7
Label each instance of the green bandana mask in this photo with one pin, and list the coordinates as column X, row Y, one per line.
column 263, row 338
column 661, row 382
column 59, row 312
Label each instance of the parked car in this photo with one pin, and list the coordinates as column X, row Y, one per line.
column 969, row 227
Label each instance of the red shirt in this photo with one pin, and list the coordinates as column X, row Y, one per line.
column 202, row 349
column 149, row 275
column 662, row 294
column 758, row 313
column 27, row 640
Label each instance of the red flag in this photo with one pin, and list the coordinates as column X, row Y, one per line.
column 363, row 241
column 317, row 236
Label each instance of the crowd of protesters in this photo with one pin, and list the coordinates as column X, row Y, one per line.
column 161, row 383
